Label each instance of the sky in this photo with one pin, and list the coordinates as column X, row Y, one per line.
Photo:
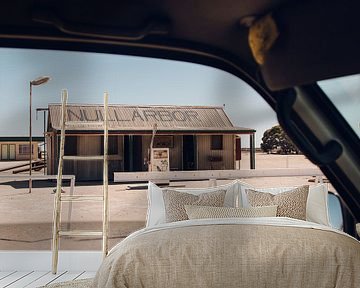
column 129, row 80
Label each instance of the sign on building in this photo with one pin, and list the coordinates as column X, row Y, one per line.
column 160, row 159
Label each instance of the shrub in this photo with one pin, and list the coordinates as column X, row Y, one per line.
column 275, row 140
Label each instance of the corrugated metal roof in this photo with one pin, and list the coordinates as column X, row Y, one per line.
column 143, row 118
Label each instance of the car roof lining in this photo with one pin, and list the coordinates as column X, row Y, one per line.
column 312, row 48
column 304, row 52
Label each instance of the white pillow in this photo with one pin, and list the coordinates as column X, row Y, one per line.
column 242, row 198
column 203, row 212
column 156, row 207
column 316, row 206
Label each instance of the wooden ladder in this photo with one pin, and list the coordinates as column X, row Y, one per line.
column 57, row 232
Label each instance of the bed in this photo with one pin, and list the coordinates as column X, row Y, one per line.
column 233, row 251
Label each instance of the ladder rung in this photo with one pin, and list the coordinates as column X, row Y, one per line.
column 96, row 157
column 80, row 198
column 80, row 233
column 82, row 123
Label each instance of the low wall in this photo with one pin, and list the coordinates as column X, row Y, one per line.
column 125, row 177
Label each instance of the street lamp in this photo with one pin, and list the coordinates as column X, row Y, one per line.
column 43, row 110
column 36, row 82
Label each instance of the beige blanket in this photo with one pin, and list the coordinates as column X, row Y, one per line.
column 233, row 255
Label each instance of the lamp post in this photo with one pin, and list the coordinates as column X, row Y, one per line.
column 43, row 110
column 35, row 82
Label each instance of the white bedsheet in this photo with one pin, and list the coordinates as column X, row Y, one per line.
column 270, row 221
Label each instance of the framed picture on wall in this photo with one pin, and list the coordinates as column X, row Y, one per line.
column 166, row 141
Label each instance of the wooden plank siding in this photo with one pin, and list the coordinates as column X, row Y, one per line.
column 50, row 154
column 176, row 153
column 86, row 170
column 90, row 169
column 91, row 145
column 204, row 153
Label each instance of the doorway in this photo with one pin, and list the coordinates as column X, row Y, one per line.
column 189, row 152
column 133, row 158
column 8, row 152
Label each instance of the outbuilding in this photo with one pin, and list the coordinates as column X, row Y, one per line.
column 17, row 148
column 197, row 138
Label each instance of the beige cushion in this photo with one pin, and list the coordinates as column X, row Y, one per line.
column 201, row 212
column 156, row 207
column 317, row 202
column 175, row 201
column 290, row 204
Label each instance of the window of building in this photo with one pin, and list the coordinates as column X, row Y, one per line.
column 164, row 141
column 24, row 149
column 216, row 142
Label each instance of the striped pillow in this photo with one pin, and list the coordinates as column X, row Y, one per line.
column 201, row 212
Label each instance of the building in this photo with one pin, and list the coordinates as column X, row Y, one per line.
column 15, row 148
column 198, row 138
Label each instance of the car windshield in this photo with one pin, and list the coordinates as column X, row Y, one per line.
column 207, row 120
column 344, row 93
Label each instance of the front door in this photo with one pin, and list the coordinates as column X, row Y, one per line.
column 189, row 152
column 12, row 152
column 133, row 158
column 4, row 151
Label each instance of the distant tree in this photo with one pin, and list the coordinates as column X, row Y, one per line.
column 275, row 140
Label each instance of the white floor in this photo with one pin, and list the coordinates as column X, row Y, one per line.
column 32, row 279
column 32, row 268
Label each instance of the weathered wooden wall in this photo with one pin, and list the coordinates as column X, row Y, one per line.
column 116, row 162
column 50, row 157
column 204, row 153
column 90, row 169
column 86, row 170
column 176, row 153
